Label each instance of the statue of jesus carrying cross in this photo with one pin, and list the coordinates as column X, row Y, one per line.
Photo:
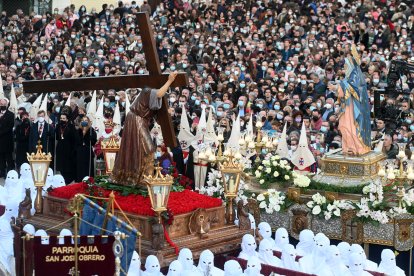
column 136, row 155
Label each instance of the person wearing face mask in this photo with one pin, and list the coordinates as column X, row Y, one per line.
column 86, row 138
column 78, row 119
column 328, row 109
column 6, row 138
column 22, row 133
column 41, row 131
column 242, row 108
column 297, row 122
column 54, row 116
column 65, row 149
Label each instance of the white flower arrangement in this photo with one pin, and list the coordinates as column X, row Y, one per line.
column 300, row 180
column 320, row 206
column 271, row 201
column 273, row 169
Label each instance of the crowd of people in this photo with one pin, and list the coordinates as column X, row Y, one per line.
column 272, row 59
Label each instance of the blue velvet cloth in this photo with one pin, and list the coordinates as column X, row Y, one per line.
column 93, row 214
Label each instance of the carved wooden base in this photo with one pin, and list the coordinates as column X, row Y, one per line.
column 344, row 170
column 198, row 230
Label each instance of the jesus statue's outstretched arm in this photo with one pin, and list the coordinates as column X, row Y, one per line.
column 161, row 92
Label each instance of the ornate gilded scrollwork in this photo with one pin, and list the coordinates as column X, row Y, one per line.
column 199, row 223
column 299, row 219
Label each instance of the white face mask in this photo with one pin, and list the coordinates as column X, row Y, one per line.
column 41, row 119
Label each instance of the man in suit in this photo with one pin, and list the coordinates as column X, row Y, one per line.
column 43, row 131
column 6, row 138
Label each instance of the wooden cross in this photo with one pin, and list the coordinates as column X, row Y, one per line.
column 155, row 79
column 352, row 229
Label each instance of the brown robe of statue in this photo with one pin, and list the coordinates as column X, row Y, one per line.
column 136, row 155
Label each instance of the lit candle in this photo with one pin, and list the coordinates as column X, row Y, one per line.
column 381, row 172
column 220, row 137
column 231, row 185
column 252, row 145
column 259, row 124
column 158, row 200
column 111, row 163
column 37, row 175
column 401, row 154
column 391, row 174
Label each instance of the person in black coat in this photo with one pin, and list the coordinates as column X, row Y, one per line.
column 6, row 138
column 178, row 158
column 43, row 131
column 65, row 149
column 85, row 140
column 22, row 133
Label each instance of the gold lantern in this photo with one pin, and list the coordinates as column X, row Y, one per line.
column 159, row 187
column 230, row 173
column 39, row 163
column 110, row 149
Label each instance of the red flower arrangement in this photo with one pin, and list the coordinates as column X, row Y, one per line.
column 179, row 202
column 179, row 179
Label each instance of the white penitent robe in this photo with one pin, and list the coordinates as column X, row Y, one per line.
column 388, row 264
column 200, row 170
column 248, row 247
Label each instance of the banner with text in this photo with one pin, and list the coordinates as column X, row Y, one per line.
column 95, row 256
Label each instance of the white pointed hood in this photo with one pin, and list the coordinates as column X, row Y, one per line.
column 235, row 135
column 98, row 124
column 13, row 101
column 202, row 126
column 92, row 108
column 35, row 108
column 43, row 107
column 68, row 100
column 185, row 137
column 211, row 136
column 282, row 147
column 303, row 157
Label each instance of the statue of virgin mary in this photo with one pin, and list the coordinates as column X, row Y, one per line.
column 354, row 118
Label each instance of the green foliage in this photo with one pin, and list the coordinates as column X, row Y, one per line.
column 366, row 220
column 104, row 182
column 314, row 185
